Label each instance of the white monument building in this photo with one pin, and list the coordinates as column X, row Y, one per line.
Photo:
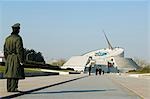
column 100, row 58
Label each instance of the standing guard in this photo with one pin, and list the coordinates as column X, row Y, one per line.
column 14, row 55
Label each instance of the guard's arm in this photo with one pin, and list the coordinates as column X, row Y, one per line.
column 20, row 50
column 5, row 51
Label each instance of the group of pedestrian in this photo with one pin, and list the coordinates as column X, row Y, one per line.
column 98, row 71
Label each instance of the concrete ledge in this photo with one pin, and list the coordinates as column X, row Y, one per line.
column 55, row 71
column 140, row 75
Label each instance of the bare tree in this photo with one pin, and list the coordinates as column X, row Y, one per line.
column 59, row 62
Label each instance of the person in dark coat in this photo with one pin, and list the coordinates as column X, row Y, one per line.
column 100, row 71
column 13, row 52
column 103, row 72
column 96, row 70
column 90, row 67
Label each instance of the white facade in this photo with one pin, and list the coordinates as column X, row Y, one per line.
column 102, row 56
column 78, row 63
column 2, row 59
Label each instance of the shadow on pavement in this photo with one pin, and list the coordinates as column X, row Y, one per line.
column 72, row 91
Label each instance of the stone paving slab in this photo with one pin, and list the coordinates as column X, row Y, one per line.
column 137, row 84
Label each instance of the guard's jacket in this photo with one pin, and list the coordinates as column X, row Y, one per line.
column 14, row 55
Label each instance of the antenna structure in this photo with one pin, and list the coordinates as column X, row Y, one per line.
column 109, row 45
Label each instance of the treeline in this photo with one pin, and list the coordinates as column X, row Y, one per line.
column 58, row 62
column 144, row 66
column 31, row 56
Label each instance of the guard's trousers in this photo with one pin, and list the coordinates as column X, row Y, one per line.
column 12, row 84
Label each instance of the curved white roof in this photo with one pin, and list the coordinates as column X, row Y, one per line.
column 106, row 52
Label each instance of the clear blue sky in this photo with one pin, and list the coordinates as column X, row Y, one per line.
column 61, row 29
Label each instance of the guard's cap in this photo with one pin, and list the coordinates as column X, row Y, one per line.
column 16, row 25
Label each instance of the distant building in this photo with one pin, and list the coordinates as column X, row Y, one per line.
column 101, row 58
column 2, row 59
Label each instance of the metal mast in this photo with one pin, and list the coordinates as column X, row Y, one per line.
column 109, row 45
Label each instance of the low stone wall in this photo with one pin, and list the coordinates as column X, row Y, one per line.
column 34, row 74
column 40, row 74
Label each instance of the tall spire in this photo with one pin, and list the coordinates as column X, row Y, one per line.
column 109, row 45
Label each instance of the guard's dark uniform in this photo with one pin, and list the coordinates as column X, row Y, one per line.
column 13, row 52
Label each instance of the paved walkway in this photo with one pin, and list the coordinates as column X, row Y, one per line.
column 79, row 86
column 35, row 83
column 137, row 83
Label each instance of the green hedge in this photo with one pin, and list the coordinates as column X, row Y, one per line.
column 145, row 69
column 2, row 68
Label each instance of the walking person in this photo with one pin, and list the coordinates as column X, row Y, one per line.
column 110, row 65
column 103, row 72
column 90, row 67
column 13, row 52
column 96, row 71
column 100, row 71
